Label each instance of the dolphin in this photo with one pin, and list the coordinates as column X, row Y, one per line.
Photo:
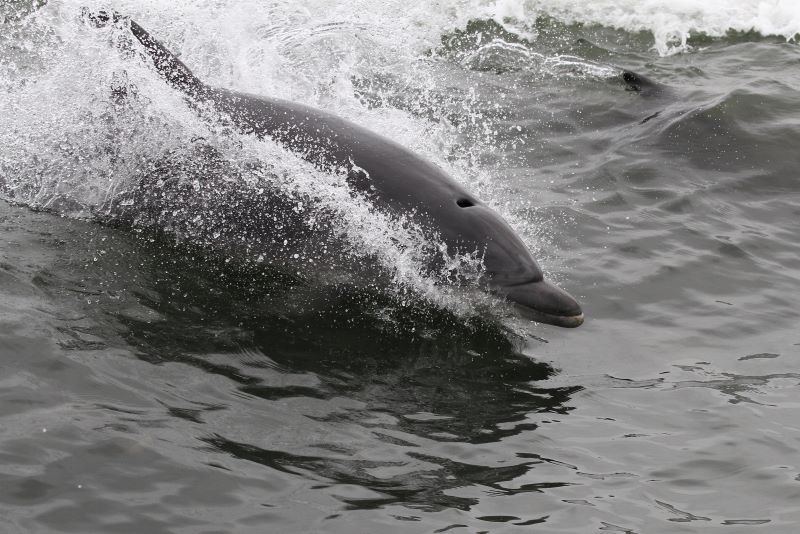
column 392, row 176
column 640, row 84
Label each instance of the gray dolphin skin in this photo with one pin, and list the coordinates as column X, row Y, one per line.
column 393, row 177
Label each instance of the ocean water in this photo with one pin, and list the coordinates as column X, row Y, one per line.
column 157, row 375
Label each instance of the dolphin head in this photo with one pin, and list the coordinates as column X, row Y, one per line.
column 510, row 270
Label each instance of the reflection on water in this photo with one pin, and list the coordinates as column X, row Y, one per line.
column 414, row 372
column 371, row 380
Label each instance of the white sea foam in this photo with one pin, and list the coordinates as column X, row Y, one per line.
column 671, row 22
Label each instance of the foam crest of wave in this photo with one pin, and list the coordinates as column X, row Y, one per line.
column 671, row 22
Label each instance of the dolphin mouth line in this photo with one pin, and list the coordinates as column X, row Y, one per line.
column 526, row 282
column 565, row 321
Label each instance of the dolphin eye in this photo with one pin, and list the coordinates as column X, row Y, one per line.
column 464, row 203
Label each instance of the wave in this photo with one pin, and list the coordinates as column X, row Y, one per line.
column 69, row 147
column 672, row 23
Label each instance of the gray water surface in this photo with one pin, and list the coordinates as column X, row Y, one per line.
column 148, row 384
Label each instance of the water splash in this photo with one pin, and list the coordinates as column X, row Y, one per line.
column 87, row 118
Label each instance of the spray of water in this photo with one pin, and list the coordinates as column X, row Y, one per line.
column 88, row 121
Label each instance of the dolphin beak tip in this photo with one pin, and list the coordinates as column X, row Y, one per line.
column 573, row 321
column 543, row 302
